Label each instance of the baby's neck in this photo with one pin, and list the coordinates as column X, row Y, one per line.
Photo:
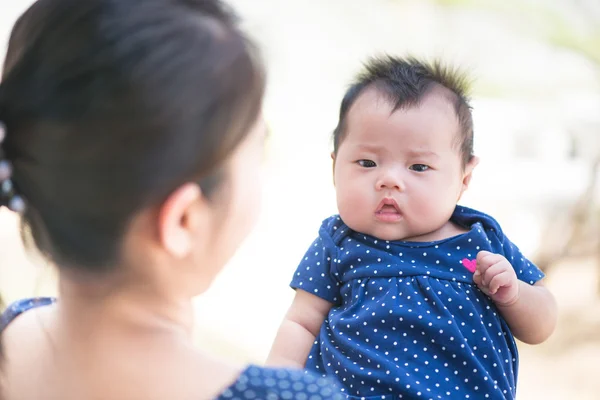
column 448, row 230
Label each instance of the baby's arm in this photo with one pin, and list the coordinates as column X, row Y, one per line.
column 529, row 310
column 298, row 330
column 532, row 317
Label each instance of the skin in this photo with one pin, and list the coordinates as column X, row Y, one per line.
column 128, row 335
column 398, row 176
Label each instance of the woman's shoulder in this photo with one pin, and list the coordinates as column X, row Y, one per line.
column 281, row 383
column 254, row 382
column 20, row 306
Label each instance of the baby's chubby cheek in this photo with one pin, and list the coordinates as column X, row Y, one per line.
column 354, row 213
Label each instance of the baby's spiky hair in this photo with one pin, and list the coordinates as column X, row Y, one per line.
column 405, row 82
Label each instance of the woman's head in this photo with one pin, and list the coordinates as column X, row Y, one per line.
column 115, row 109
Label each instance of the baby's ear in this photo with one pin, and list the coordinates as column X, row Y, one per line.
column 468, row 172
column 333, row 167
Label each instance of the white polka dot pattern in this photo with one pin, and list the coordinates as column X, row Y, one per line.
column 285, row 384
column 407, row 320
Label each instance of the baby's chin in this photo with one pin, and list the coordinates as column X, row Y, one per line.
column 385, row 232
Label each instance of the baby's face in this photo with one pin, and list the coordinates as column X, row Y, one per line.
column 399, row 175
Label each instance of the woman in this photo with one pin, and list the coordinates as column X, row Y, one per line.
column 131, row 142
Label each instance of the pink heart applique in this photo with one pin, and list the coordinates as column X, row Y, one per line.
column 471, row 265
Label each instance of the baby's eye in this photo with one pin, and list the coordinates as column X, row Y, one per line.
column 419, row 167
column 366, row 163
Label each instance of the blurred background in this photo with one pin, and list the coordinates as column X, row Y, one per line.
column 536, row 97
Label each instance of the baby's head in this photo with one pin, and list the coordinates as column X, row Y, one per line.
column 403, row 149
column 134, row 135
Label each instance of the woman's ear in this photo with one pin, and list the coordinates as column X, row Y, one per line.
column 179, row 219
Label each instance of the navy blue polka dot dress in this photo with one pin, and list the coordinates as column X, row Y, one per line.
column 253, row 383
column 407, row 320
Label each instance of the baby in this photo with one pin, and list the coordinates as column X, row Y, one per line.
column 404, row 294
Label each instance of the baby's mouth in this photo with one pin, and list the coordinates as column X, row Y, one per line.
column 388, row 210
column 388, row 205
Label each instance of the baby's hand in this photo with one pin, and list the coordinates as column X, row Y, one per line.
column 496, row 277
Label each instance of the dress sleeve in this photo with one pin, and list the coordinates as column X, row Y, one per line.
column 526, row 270
column 314, row 273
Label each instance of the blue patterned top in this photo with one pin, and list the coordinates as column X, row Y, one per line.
column 407, row 320
column 253, row 383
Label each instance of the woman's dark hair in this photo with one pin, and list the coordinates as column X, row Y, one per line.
column 110, row 105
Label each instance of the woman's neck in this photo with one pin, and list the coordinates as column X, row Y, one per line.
column 122, row 306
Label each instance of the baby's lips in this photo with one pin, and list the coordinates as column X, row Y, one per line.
column 389, row 202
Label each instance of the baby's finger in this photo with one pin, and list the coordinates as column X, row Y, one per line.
column 502, row 279
column 477, row 278
column 485, row 259
column 492, row 271
column 482, row 255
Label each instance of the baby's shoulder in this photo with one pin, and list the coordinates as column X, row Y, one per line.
column 334, row 230
column 485, row 229
column 470, row 218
